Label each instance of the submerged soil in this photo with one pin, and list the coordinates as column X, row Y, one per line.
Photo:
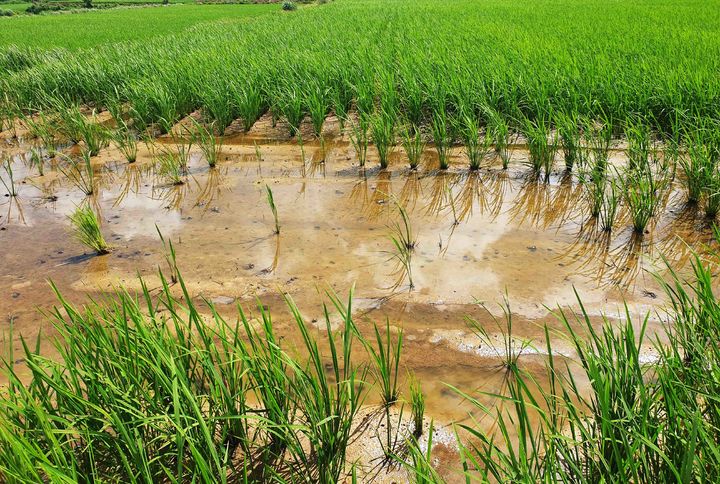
column 480, row 237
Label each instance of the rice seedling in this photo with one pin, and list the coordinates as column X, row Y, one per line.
column 385, row 366
column 542, row 144
column 569, row 132
column 597, row 136
column 8, row 180
column 611, row 201
column 329, row 405
column 417, row 405
column 643, row 192
column 700, row 162
column 169, row 168
column 403, row 240
column 80, row 173
column 86, row 227
column 42, row 131
column 414, row 145
column 382, row 126
column 209, row 144
column 359, row 137
column 273, row 208
column 420, row 465
column 126, row 141
column 37, row 160
column 477, row 147
column 441, row 137
column 78, row 128
column 500, row 131
column 317, row 102
column 641, row 148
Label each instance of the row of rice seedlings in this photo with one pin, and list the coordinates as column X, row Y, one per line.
column 637, row 421
column 86, row 227
column 166, row 395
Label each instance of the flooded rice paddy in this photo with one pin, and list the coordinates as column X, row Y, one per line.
column 480, row 237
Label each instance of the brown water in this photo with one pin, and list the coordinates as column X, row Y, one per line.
column 480, row 236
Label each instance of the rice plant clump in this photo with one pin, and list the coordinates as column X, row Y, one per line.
column 542, row 144
column 126, row 141
column 360, row 138
column 210, row 145
column 81, row 173
column 382, row 126
column 86, row 227
column 414, row 146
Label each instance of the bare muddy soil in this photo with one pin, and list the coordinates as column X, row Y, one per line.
column 480, row 237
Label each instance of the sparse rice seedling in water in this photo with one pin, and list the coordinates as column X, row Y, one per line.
column 87, row 229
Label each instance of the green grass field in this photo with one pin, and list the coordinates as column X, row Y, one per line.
column 88, row 29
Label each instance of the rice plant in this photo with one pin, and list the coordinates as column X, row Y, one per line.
column 643, row 192
column 385, row 366
column 273, row 208
column 569, row 132
column 169, row 167
column 8, row 180
column 359, row 137
column 542, row 145
column 403, row 239
column 414, row 146
column 417, row 406
column 640, row 150
column 501, row 135
column 78, row 128
column 86, row 227
column 612, row 195
column 37, row 160
column 209, row 144
column 126, row 141
column 420, row 462
column 80, row 173
column 477, row 146
column 382, row 126
column 442, row 139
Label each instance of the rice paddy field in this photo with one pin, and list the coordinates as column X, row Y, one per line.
column 361, row 241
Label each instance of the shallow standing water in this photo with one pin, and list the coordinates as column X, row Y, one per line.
column 479, row 237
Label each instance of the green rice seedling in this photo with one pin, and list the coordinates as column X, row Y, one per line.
column 500, row 131
column 643, row 193
column 542, row 144
column 126, row 141
column 169, row 167
column 403, row 240
column 385, row 366
column 341, row 96
column 441, row 137
column 359, row 137
column 594, row 186
column 250, row 105
column 209, row 144
column 78, row 128
column 317, row 102
column 413, row 144
column 512, row 348
column 37, row 160
column 42, row 131
column 700, row 162
column 417, row 404
column 382, row 126
column 273, row 208
column 291, row 106
column 80, row 173
column 611, row 201
column 640, row 149
column 419, row 465
column 477, row 147
column 597, row 136
column 87, row 229
column 712, row 194
column 329, row 403
column 569, row 132
column 8, row 180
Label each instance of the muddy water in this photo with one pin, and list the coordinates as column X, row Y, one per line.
column 479, row 237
